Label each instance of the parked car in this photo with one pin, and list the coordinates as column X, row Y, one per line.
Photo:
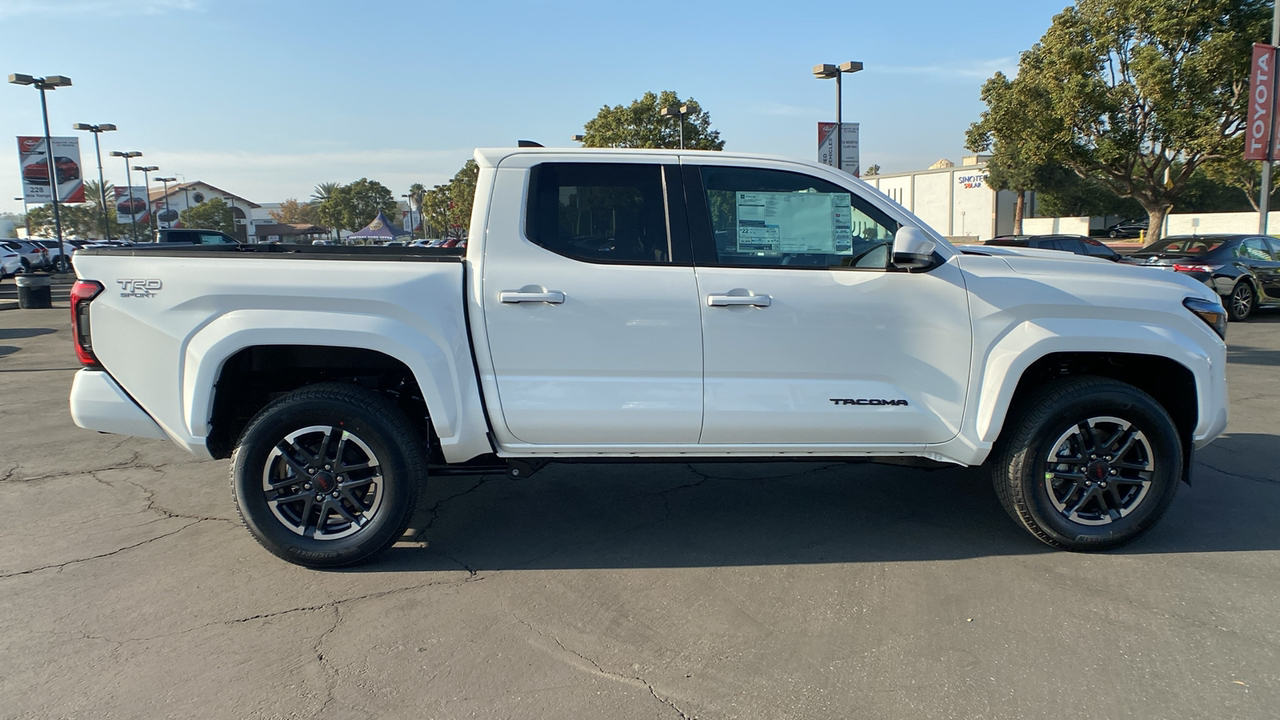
column 1128, row 228
column 38, row 172
column 55, row 260
column 1078, row 244
column 34, row 256
column 339, row 383
column 10, row 261
column 190, row 236
column 1243, row 269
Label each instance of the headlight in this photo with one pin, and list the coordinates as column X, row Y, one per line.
column 1209, row 311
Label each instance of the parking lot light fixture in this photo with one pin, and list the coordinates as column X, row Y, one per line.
column 679, row 112
column 827, row 72
column 51, row 82
column 128, row 178
column 166, row 181
column 102, row 185
column 146, row 183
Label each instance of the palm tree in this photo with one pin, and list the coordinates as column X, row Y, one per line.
column 323, row 191
column 321, row 194
column 416, row 194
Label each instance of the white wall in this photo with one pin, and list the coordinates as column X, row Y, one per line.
column 1055, row 226
column 1205, row 223
column 933, row 200
column 974, row 207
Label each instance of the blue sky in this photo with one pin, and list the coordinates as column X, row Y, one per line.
column 266, row 99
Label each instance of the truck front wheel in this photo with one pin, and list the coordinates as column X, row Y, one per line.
column 328, row 475
column 1087, row 463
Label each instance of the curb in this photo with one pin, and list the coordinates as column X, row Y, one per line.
column 8, row 304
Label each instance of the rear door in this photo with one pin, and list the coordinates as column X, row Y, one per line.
column 590, row 304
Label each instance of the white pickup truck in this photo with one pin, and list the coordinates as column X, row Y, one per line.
column 639, row 305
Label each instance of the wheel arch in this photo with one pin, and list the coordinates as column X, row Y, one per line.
column 295, row 348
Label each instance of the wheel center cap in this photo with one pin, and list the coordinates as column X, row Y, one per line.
column 1097, row 470
column 324, row 481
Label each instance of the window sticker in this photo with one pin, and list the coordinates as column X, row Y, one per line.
column 777, row 223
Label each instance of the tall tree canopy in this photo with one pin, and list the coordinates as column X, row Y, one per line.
column 1129, row 91
column 212, row 214
column 352, row 206
column 292, row 211
column 641, row 125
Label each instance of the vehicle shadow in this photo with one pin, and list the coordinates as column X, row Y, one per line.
column 712, row 515
column 8, row 350
column 20, row 333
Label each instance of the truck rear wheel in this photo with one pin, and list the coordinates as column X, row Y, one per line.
column 1087, row 463
column 328, row 475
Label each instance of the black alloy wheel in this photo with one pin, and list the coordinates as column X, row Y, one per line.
column 328, row 475
column 1241, row 302
column 1087, row 463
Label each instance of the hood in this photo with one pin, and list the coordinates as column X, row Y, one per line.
column 1092, row 278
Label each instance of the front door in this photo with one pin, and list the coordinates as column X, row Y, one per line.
column 591, row 306
column 809, row 335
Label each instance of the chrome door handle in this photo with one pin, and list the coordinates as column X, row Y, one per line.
column 734, row 300
column 518, row 296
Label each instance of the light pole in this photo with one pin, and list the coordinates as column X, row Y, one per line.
column 826, row 72
column 102, row 185
column 679, row 112
column 52, row 82
column 26, row 219
column 166, row 181
column 146, row 184
column 408, row 200
column 128, row 178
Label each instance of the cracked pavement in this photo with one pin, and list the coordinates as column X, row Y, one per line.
column 128, row 587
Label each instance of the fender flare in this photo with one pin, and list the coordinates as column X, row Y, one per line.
column 1008, row 359
column 433, row 361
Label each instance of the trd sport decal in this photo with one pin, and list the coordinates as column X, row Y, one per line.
column 867, row 401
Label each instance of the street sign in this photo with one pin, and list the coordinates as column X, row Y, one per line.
column 827, row 146
column 1262, row 104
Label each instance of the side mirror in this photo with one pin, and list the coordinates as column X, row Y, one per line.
column 912, row 249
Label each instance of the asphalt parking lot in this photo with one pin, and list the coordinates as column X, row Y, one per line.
column 129, row 589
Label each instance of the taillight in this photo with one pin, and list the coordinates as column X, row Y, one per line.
column 82, row 293
column 1180, row 267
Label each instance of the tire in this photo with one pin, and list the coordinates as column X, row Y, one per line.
column 26, row 265
column 369, row 488
column 1116, row 462
column 1114, row 234
column 1241, row 302
column 61, row 265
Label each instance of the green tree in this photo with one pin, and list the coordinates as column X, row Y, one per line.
column 352, row 206
column 212, row 214
column 462, row 193
column 641, row 125
column 1245, row 175
column 417, row 193
column 79, row 220
column 1002, row 131
column 1132, row 91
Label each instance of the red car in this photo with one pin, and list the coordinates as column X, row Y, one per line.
column 38, row 172
column 131, row 206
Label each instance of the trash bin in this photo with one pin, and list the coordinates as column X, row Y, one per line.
column 34, row 292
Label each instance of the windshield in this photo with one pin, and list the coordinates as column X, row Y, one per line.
column 1182, row 246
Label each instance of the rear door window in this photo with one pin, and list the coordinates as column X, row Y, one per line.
column 599, row 212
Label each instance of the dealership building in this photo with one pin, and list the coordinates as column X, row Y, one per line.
column 955, row 200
